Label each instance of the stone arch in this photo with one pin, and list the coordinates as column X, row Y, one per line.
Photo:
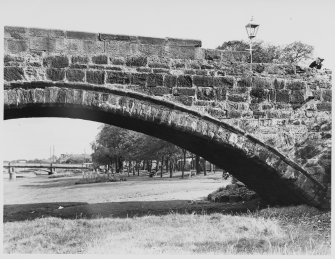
column 258, row 165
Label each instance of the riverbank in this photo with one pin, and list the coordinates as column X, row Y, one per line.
column 152, row 215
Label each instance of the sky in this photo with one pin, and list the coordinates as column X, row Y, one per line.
column 211, row 21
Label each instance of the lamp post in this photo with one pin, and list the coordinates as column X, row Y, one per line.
column 252, row 29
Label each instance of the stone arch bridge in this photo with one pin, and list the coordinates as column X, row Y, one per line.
column 270, row 128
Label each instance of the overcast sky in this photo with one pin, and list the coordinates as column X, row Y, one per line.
column 211, row 21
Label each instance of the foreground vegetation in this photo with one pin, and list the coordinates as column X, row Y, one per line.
column 290, row 230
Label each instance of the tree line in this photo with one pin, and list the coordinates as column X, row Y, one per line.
column 292, row 53
column 118, row 148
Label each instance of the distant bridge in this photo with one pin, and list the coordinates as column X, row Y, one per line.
column 51, row 167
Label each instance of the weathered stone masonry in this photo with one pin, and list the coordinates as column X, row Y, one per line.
column 274, row 124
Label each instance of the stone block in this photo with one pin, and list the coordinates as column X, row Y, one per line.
column 282, row 96
column 93, row 47
column 203, row 81
column 206, row 66
column 16, row 46
column 170, row 81
column 327, row 95
column 194, row 65
column 189, row 72
column 220, row 93
column 325, row 161
column 184, row 91
column 296, row 85
column 39, row 95
column 55, row 74
column 25, row 96
column 155, row 80
column 184, row 81
column 101, row 59
column 118, row 49
column 267, row 106
column 116, row 37
column 259, row 114
column 288, row 69
column 271, row 95
column 77, row 96
column 182, row 42
column 245, row 82
column 237, row 90
column 150, row 50
column 151, row 41
column 80, row 59
column 61, row 96
column 279, row 84
column 83, row 47
column 178, row 64
column 201, row 72
column 69, row 95
column 161, row 70
column 261, row 82
column 233, row 114
column 117, row 77
column 297, row 96
column 13, row 73
column 118, row 61
column 181, row 52
column 144, row 69
column 15, row 32
column 223, row 81
column 254, row 106
column 258, row 94
column 78, row 66
column 205, row 93
column 158, row 65
column 217, row 113
column 51, row 94
column 237, row 98
column 10, row 58
column 46, row 44
column 95, row 77
column 139, row 79
column 35, row 32
column 317, row 95
column 160, row 91
column 136, row 61
column 186, row 100
column 324, row 106
column 81, row 35
column 56, row 61
column 75, row 75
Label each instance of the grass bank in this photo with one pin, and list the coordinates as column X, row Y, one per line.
column 290, row 230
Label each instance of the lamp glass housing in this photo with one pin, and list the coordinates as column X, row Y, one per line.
column 252, row 29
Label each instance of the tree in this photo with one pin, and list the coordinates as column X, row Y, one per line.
column 234, row 45
column 269, row 53
column 296, row 52
column 262, row 53
column 110, row 146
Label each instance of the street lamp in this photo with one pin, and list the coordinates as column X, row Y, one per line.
column 252, row 29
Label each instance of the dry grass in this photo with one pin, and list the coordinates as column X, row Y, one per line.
column 267, row 231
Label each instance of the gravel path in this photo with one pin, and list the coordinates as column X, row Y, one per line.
column 34, row 197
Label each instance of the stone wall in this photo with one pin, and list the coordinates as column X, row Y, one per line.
column 287, row 110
